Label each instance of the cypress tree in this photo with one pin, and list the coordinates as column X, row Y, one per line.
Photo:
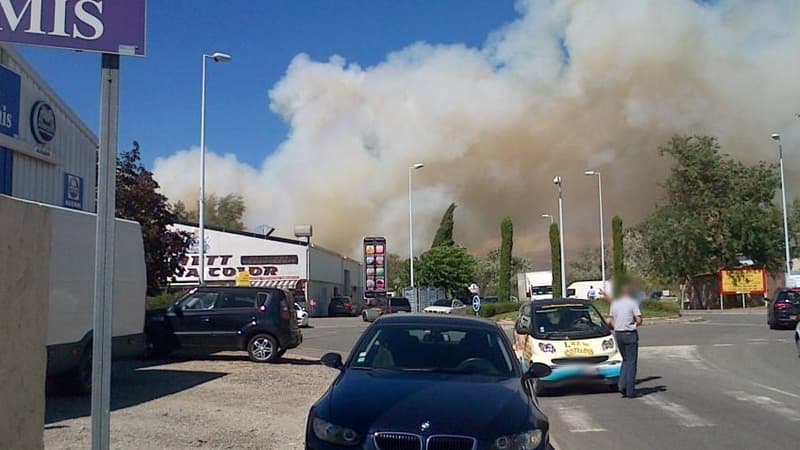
column 555, row 257
column 620, row 277
column 504, row 274
column 444, row 235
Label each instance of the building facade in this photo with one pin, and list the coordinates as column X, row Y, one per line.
column 312, row 273
column 47, row 154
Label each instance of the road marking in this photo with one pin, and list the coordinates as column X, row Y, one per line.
column 678, row 412
column 769, row 404
column 577, row 419
column 722, row 345
column 776, row 390
column 727, row 324
column 686, row 353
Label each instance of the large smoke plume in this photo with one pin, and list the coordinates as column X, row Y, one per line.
column 569, row 85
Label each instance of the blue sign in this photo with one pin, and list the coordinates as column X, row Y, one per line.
column 9, row 102
column 43, row 122
column 73, row 191
column 476, row 304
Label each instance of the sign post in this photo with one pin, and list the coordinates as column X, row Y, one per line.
column 112, row 28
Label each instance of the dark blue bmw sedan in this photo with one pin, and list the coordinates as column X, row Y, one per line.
column 429, row 382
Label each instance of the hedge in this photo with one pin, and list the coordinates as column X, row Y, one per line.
column 493, row 309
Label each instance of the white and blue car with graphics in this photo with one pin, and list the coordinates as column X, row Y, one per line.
column 571, row 337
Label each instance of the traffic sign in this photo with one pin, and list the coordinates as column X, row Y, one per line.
column 476, row 304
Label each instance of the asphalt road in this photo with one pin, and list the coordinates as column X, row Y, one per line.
column 727, row 382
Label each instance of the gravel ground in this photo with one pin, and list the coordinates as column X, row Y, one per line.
column 219, row 401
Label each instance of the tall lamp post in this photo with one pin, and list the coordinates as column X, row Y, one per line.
column 548, row 216
column 557, row 181
column 777, row 137
column 201, row 213
column 411, row 170
column 594, row 173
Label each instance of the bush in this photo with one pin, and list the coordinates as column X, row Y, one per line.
column 161, row 301
column 493, row 309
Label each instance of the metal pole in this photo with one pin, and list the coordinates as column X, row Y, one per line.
column 411, row 234
column 104, row 252
column 561, row 239
column 602, row 234
column 785, row 215
column 201, row 213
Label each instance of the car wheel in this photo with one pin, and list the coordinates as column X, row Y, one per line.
column 263, row 348
column 282, row 352
column 773, row 326
column 364, row 317
column 156, row 348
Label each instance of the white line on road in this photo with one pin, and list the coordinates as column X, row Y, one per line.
column 768, row 403
column 722, row 345
column 776, row 390
column 577, row 419
column 727, row 324
column 678, row 412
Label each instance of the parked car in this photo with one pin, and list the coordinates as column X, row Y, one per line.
column 381, row 306
column 447, row 307
column 302, row 315
column 783, row 310
column 571, row 338
column 256, row 319
column 341, row 306
column 382, row 399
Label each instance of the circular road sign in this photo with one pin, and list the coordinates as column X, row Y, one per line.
column 476, row 304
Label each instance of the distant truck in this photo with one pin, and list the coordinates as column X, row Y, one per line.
column 70, row 235
column 535, row 285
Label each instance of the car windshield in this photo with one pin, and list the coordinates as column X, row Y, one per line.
column 442, row 302
column 434, row 348
column 542, row 290
column 791, row 297
column 568, row 321
column 400, row 302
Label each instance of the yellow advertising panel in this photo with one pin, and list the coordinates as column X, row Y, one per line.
column 743, row 281
column 243, row 278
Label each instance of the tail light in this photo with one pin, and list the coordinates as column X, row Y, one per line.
column 284, row 310
column 348, row 305
column 782, row 305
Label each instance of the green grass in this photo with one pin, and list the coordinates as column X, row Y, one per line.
column 161, row 301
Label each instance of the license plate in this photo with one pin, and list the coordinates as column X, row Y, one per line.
column 590, row 370
column 793, row 317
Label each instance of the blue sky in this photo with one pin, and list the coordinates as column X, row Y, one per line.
column 160, row 94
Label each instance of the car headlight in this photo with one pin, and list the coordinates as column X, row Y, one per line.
column 529, row 440
column 547, row 348
column 608, row 344
column 334, row 434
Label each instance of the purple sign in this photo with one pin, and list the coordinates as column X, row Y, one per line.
column 108, row 26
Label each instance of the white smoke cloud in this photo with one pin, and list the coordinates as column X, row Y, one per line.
column 570, row 85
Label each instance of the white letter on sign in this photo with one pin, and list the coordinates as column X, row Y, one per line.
column 89, row 19
column 13, row 19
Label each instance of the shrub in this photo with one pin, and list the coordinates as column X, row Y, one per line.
column 493, row 309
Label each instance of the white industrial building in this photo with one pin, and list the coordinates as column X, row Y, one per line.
column 47, row 154
column 311, row 272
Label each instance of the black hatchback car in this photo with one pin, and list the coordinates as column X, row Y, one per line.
column 783, row 310
column 432, row 382
column 341, row 306
column 259, row 320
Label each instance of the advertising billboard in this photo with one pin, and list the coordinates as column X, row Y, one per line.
column 745, row 280
column 107, row 26
column 375, row 267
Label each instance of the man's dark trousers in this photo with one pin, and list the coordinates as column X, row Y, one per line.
column 628, row 342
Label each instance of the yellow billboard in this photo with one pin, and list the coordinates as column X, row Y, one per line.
column 743, row 280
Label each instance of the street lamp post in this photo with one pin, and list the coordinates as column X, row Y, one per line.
column 201, row 212
column 593, row 173
column 411, row 170
column 557, row 181
column 548, row 216
column 777, row 137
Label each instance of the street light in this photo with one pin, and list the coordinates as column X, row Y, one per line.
column 557, row 181
column 594, row 173
column 411, row 170
column 777, row 137
column 201, row 213
column 548, row 216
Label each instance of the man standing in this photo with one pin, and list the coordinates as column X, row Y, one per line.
column 625, row 319
column 591, row 294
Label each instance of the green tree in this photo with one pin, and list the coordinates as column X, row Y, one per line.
column 506, row 247
column 715, row 209
column 225, row 212
column 487, row 270
column 138, row 199
column 555, row 258
column 446, row 266
column 586, row 266
column 399, row 272
column 620, row 277
column 444, row 234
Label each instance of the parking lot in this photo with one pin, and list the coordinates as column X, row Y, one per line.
column 224, row 401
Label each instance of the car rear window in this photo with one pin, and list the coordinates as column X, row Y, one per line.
column 400, row 302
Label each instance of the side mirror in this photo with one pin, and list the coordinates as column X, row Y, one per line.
column 333, row 360
column 538, row 370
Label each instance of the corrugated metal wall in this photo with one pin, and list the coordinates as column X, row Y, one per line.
column 73, row 147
